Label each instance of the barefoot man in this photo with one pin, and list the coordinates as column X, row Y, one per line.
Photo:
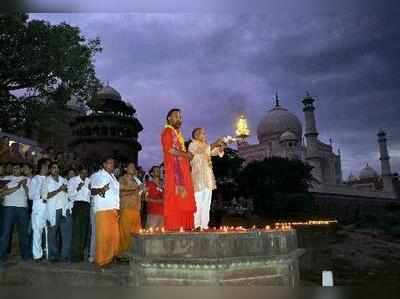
column 179, row 203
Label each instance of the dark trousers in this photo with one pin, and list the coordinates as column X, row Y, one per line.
column 80, row 229
column 15, row 216
column 63, row 227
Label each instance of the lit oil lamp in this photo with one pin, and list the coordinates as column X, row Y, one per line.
column 242, row 130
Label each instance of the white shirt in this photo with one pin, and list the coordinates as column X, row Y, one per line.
column 83, row 194
column 57, row 202
column 35, row 193
column 110, row 200
column 28, row 184
column 18, row 198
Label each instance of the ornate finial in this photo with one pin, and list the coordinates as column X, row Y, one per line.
column 108, row 83
column 330, row 141
column 276, row 100
column 308, row 94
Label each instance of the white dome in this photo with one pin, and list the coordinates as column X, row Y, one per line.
column 288, row 136
column 107, row 92
column 352, row 178
column 278, row 121
column 368, row 172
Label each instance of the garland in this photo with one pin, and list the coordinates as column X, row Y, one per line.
column 180, row 137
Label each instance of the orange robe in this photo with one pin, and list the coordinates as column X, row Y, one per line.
column 178, row 211
column 107, row 236
column 129, row 221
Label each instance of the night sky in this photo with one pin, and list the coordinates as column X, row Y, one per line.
column 216, row 66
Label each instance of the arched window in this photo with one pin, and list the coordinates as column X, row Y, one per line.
column 96, row 131
column 113, row 131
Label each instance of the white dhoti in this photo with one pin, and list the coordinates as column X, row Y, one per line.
column 203, row 204
column 38, row 227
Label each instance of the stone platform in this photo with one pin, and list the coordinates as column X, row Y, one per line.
column 264, row 257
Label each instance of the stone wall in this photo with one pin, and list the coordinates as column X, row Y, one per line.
column 216, row 259
column 349, row 209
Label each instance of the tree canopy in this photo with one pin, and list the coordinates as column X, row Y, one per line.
column 41, row 58
column 279, row 186
column 42, row 66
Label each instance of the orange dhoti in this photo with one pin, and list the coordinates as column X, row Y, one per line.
column 129, row 223
column 107, row 236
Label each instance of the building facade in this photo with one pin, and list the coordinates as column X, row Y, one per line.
column 109, row 129
column 280, row 134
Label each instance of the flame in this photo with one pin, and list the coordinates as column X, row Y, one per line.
column 242, row 129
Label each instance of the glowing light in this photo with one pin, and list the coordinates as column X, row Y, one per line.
column 181, row 229
column 242, row 130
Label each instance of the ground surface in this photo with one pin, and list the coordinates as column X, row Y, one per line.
column 356, row 257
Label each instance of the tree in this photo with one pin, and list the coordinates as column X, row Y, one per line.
column 279, row 186
column 41, row 57
column 42, row 61
column 228, row 167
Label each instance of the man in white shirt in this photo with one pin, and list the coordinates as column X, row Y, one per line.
column 59, row 219
column 79, row 195
column 39, row 210
column 202, row 174
column 15, row 211
column 105, row 188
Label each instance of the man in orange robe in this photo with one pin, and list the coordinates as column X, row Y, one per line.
column 179, row 202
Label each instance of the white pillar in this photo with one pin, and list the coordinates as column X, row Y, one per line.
column 327, row 279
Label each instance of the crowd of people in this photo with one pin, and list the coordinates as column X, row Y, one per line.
column 55, row 211
column 66, row 214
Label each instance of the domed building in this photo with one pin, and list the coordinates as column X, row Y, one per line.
column 368, row 180
column 368, row 173
column 110, row 128
column 280, row 134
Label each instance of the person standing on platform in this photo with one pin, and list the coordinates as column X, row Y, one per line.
column 39, row 211
column 131, row 190
column 59, row 219
column 202, row 174
column 154, row 199
column 105, row 189
column 179, row 202
column 79, row 195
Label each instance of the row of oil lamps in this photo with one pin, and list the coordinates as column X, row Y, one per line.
column 226, row 229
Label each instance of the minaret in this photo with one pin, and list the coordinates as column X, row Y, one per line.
column 386, row 171
column 311, row 135
column 311, row 132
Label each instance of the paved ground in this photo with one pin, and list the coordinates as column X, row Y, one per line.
column 358, row 258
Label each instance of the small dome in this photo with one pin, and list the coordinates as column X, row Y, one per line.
column 368, row 172
column 288, row 136
column 352, row 178
column 107, row 92
column 278, row 121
